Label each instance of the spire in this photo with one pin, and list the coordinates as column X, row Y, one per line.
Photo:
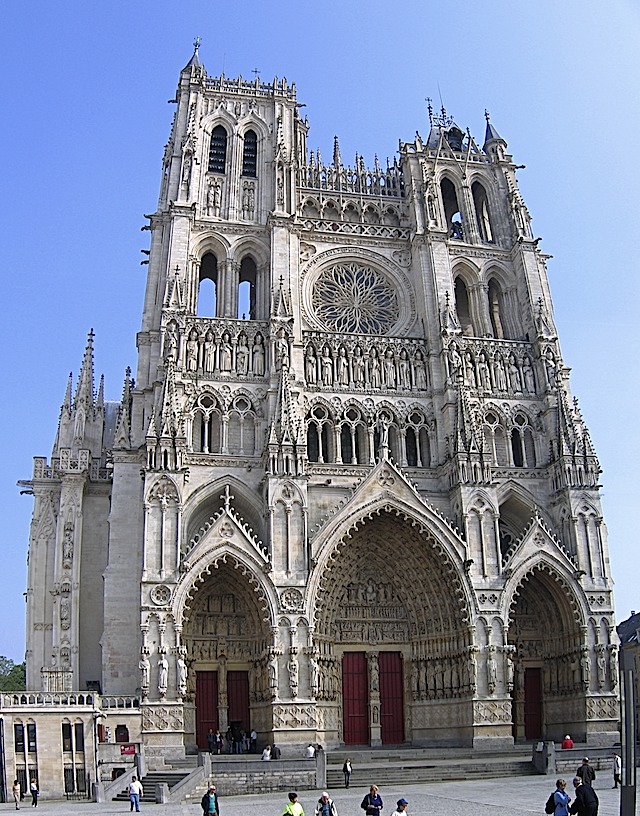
column 337, row 159
column 194, row 62
column 84, row 391
column 66, row 405
column 491, row 134
column 123, row 428
column 100, row 401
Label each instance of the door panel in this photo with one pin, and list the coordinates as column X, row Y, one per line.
column 206, row 705
column 355, row 698
column 532, row 703
column 391, row 698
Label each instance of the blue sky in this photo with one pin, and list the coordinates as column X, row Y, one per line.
column 86, row 119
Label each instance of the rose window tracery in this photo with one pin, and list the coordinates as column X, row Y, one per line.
column 351, row 298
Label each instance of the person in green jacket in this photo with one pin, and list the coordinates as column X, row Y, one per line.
column 293, row 807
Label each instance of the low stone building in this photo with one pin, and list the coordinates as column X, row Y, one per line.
column 349, row 497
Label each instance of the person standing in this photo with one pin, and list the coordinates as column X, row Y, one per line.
column 33, row 790
column 585, row 772
column 217, row 739
column 209, row 802
column 253, row 740
column 561, row 799
column 617, row 771
column 16, row 790
column 372, row 802
column 135, row 792
column 347, row 770
column 293, row 807
column 276, row 753
column 211, row 739
column 586, row 801
column 326, row 806
column 401, row 807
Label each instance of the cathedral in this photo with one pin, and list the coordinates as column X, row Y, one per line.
column 348, row 497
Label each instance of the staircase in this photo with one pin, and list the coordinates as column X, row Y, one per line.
column 402, row 766
column 170, row 775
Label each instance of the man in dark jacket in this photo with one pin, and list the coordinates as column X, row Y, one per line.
column 210, row 802
column 586, row 801
column 586, row 772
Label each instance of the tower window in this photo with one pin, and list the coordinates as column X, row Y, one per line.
column 482, row 211
column 451, row 209
column 250, row 154
column 218, row 150
column 247, row 289
column 207, row 292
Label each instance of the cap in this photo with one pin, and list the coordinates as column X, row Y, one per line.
column 402, row 802
column 585, row 759
column 324, row 793
column 211, row 787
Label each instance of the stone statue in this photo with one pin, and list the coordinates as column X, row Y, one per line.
column 375, row 380
column 282, row 351
column 258, row 356
column 420, row 372
column 500, row 374
column 171, row 344
column 602, row 668
column 389, row 369
column 327, row 367
column 273, row 673
column 342, row 366
column 357, row 365
column 311, row 366
column 469, row 371
column 404, row 377
column 529, row 381
column 492, row 670
column 313, row 672
column 585, row 661
column 225, row 353
column 145, row 669
column 374, row 674
column 242, row 356
column 292, row 668
column 209, row 352
column 67, row 545
column 192, row 351
column 514, row 374
column 163, row 674
column 181, row 675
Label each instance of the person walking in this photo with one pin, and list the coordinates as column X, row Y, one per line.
column 585, row 772
column 33, row 790
column 617, row 771
column 209, row 802
column 326, row 806
column 16, row 790
column 135, row 792
column 372, row 802
column 293, row 807
column 561, row 799
column 347, row 770
column 401, row 807
column 586, row 801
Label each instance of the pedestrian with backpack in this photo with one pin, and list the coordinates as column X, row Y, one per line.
column 558, row 802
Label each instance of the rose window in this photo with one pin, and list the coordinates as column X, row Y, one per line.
column 358, row 299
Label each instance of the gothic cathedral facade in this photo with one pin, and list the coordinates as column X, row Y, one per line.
column 348, row 498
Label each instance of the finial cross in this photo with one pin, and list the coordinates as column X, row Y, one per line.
column 226, row 497
column 196, row 43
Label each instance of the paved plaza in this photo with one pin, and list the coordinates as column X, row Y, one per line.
column 513, row 796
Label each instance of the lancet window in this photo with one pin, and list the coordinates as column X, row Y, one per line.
column 496, row 309
column 452, row 213
column 208, row 286
column 482, row 212
column 218, row 150
column 354, row 446
column 463, row 308
column 242, row 428
column 247, row 280
column 250, row 154
column 495, row 439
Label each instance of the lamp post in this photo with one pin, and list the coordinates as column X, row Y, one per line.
column 629, row 735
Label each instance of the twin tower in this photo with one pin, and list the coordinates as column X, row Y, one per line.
column 348, row 497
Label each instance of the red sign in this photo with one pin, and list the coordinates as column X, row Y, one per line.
column 127, row 749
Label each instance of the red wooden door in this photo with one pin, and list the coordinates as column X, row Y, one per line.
column 532, row 703
column 355, row 698
column 391, row 698
column 238, row 689
column 206, row 705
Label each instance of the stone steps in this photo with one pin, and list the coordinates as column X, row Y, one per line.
column 149, row 784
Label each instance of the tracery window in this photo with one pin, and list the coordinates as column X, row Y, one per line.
column 353, row 438
column 417, row 447
column 482, row 211
column 250, row 154
column 319, row 425
column 522, row 443
column 495, row 439
column 208, row 286
column 463, row 311
column 349, row 297
column 242, row 428
column 218, row 150
column 207, row 426
column 451, row 209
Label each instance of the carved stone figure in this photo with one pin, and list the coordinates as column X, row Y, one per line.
column 181, row 675
column 342, row 366
column 500, row 373
column 225, row 353
column 602, row 668
column 389, row 369
column 529, row 381
column 311, row 366
column 327, row 367
column 292, row 668
column 171, row 343
column 192, row 351
column 242, row 356
column 357, row 365
column 514, row 375
column 67, row 546
column 282, row 351
column 585, row 662
column 145, row 669
column 492, row 670
column 257, row 356
column 420, row 372
column 483, row 371
column 209, row 345
column 469, row 371
column 163, row 674
column 404, row 376
column 375, row 380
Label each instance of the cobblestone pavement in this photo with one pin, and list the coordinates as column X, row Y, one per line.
column 514, row 796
